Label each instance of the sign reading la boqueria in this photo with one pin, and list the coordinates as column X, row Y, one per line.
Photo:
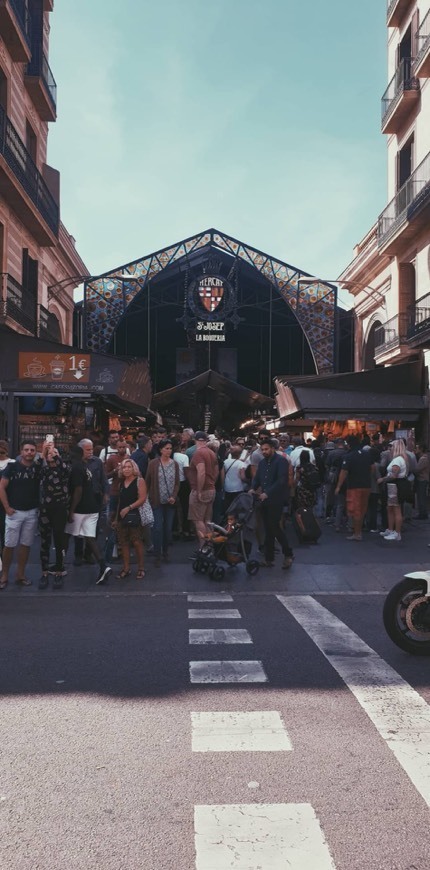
column 56, row 368
column 210, row 331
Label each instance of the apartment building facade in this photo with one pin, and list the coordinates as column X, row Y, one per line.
column 39, row 261
column 389, row 276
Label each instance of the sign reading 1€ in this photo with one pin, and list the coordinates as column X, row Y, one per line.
column 54, row 367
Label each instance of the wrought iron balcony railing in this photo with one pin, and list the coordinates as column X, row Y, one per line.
column 39, row 66
column 18, row 159
column 392, row 333
column 49, row 327
column 403, row 80
column 419, row 317
column 422, row 40
column 411, row 197
column 19, row 305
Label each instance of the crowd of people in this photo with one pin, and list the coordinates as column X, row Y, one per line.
column 141, row 495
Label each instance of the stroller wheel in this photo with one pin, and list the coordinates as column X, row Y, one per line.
column 196, row 565
column 211, row 569
column 219, row 573
column 252, row 567
column 204, row 565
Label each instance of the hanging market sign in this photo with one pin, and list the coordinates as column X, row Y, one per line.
column 210, row 331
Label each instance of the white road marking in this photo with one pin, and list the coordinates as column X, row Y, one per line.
column 227, row 672
column 259, row 837
column 201, row 599
column 260, row 731
column 214, row 614
column 400, row 714
column 219, row 635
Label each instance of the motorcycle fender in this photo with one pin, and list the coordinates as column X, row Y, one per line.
column 421, row 575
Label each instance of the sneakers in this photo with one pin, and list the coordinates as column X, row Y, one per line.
column 385, row 532
column 58, row 581
column 393, row 536
column 104, row 575
column 44, row 581
column 288, row 561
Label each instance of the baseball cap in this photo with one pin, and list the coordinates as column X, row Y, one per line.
column 201, row 436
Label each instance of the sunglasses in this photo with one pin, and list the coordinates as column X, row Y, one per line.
column 3, row 452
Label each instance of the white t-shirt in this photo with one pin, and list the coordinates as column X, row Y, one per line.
column 183, row 462
column 295, row 455
column 400, row 462
column 110, row 451
column 5, row 462
column 232, row 479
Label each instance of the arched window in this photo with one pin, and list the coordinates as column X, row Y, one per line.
column 369, row 349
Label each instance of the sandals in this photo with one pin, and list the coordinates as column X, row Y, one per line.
column 22, row 581
column 3, row 584
column 140, row 575
column 123, row 574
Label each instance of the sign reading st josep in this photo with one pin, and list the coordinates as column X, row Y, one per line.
column 54, row 368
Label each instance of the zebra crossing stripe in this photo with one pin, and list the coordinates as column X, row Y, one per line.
column 213, row 614
column 218, row 635
column 399, row 713
column 202, row 599
column 259, row 837
column 227, row 672
column 259, row 731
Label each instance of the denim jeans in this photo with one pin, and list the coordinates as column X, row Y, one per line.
column 162, row 528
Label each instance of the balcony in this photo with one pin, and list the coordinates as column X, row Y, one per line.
column 419, row 322
column 396, row 11
column 391, row 336
column 41, row 86
column 421, row 66
column 407, row 213
column 48, row 5
column 49, row 327
column 401, row 96
column 18, row 306
column 23, row 187
column 15, row 29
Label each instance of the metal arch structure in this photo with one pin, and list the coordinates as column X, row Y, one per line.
column 107, row 297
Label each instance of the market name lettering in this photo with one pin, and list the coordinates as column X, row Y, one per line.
column 211, row 282
column 210, row 331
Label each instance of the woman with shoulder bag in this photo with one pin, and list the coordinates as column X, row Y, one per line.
column 162, row 480
column 398, row 490
column 132, row 494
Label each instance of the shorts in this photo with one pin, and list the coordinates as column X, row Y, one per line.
column 201, row 511
column 129, row 534
column 20, row 528
column 84, row 525
column 356, row 502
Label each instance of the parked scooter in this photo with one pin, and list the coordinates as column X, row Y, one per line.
column 406, row 613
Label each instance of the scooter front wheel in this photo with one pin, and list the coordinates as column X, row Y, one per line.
column 406, row 616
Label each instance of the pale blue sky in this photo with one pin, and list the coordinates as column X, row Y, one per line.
column 258, row 117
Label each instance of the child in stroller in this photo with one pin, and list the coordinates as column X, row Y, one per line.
column 229, row 544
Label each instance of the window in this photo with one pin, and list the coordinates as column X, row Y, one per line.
column 31, row 141
column 3, row 90
column 405, row 162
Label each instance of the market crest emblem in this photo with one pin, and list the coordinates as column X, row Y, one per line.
column 211, row 292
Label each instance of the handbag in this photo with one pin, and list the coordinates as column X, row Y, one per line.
column 146, row 513
column 132, row 519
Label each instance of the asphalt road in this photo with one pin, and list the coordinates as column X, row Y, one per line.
column 112, row 757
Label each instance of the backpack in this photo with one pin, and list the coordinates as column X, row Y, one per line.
column 311, row 476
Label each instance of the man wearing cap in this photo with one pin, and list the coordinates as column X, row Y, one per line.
column 202, row 476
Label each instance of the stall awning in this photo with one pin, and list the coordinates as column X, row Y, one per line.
column 211, row 380
column 31, row 365
column 396, row 392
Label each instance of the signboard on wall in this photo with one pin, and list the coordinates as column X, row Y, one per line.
column 57, row 368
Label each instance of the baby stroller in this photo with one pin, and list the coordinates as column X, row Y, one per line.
column 229, row 545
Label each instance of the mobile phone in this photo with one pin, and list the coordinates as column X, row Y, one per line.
column 49, row 438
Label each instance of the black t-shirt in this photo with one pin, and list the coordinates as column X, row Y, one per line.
column 358, row 463
column 24, row 485
column 80, row 475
